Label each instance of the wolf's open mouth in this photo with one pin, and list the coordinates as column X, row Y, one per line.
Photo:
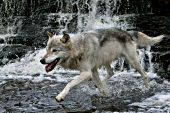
column 49, row 67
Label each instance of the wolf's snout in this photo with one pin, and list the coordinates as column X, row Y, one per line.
column 42, row 61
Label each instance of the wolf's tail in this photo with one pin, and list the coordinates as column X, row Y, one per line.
column 143, row 40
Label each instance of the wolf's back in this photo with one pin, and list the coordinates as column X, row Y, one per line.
column 143, row 40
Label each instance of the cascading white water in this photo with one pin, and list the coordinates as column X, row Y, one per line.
column 149, row 53
column 8, row 34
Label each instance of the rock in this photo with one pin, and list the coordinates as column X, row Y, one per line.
column 11, row 52
column 27, row 96
column 29, row 40
column 161, row 56
column 162, row 6
column 1, row 41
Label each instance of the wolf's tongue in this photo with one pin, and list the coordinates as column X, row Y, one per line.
column 51, row 66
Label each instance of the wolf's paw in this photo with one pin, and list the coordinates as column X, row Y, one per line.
column 59, row 98
column 106, row 93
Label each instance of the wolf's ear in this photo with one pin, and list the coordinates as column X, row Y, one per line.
column 50, row 35
column 65, row 38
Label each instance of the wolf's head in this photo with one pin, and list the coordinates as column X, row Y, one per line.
column 57, row 50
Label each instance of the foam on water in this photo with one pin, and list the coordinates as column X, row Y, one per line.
column 29, row 67
column 95, row 19
column 158, row 102
column 103, row 22
column 149, row 53
column 11, row 29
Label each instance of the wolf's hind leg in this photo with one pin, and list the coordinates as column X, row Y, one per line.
column 102, row 87
column 110, row 73
column 133, row 59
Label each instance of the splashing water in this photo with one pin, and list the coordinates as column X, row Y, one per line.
column 11, row 30
column 29, row 67
column 160, row 101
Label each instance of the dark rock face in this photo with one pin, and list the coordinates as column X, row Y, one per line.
column 161, row 6
column 11, row 52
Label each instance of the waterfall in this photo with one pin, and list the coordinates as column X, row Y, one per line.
column 95, row 18
column 149, row 53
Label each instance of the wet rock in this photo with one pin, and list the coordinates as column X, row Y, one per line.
column 161, row 6
column 159, row 48
column 29, row 40
column 1, row 41
column 161, row 56
column 27, row 96
column 11, row 52
column 14, row 51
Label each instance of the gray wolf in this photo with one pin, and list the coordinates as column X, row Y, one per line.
column 91, row 50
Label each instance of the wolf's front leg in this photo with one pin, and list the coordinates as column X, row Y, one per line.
column 83, row 76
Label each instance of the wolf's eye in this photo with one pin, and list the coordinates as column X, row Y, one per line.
column 54, row 50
